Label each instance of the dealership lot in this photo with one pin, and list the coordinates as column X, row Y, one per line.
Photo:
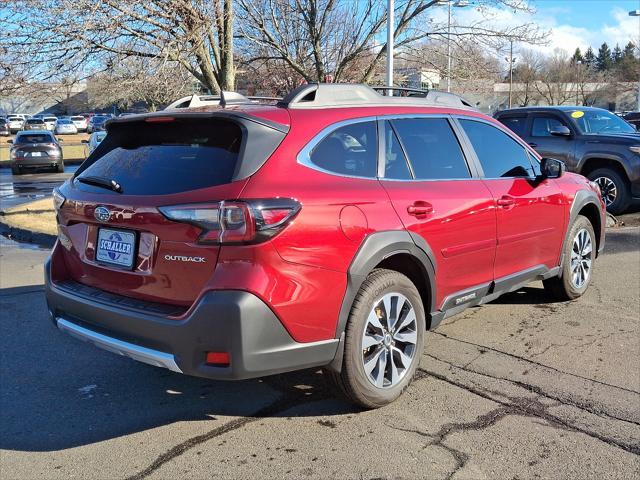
column 514, row 389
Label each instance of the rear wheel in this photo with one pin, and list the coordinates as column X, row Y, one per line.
column 15, row 170
column 383, row 340
column 613, row 187
column 577, row 266
column 60, row 167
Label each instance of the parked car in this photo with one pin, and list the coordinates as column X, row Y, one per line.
column 80, row 122
column 330, row 230
column 4, row 127
column 97, row 123
column 65, row 126
column 633, row 118
column 50, row 122
column 16, row 122
column 34, row 124
column 95, row 139
column 35, row 149
column 590, row 141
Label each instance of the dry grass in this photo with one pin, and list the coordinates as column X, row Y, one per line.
column 38, row 216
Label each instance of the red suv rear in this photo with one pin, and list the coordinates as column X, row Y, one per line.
column 331, row 229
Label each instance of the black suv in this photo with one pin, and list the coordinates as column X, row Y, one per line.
column 591, row 141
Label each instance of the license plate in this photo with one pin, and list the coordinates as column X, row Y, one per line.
column 36, row 154
column 116, row 247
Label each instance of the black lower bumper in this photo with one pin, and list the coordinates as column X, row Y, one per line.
column 235, row 322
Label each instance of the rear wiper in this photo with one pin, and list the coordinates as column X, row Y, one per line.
column 101, row 182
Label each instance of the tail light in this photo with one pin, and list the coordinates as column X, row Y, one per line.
column 236, row 222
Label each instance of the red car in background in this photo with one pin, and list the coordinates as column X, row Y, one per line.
column 331, row 229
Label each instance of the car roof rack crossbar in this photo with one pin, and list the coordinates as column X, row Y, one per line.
column 335, row 95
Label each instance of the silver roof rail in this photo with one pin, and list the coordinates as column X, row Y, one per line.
column 224, row 99
column 335, row 95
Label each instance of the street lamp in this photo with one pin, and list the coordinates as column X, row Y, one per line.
column 458, row 4
column 511, row 61
column 636, row 13
column 578, row 63
column 390, row 45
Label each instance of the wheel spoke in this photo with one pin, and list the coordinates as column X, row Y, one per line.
column 372, row 361
column 386, row 300
column 408, row 336
column 405, row 360
column 371, row 340
column 395, row 376
column 409, row 318
column 374, row 320
column 382, row 366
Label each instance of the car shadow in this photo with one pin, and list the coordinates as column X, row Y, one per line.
column 58, row 393
column 525, row 295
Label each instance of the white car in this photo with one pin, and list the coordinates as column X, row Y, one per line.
column 94, row 140
column 15, row 123
column 50, row 122
column 64, row 126
column 80, row 122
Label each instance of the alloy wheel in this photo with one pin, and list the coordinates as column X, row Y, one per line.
column 581, row 258
column 389, row 340
column 608, row 189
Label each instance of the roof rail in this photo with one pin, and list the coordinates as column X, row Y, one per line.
column 224, row 99
column 335, row 95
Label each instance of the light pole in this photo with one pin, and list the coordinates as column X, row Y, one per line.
column 450, row 3
column 578, row 63
column 390, row 45
column 511, row 61
column 636, row 13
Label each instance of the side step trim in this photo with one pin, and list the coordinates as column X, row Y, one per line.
column 136, row 352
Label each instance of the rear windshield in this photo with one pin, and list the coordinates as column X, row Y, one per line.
column 164, row 158
column 77, row 118
column 34, row 138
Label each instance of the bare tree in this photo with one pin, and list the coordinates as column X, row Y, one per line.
column 526, row 74
column 557, row 78
column 52, row 38
column 320, row 40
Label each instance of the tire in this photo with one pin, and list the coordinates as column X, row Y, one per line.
column 565, row 287
column 608, row 179
column 60, row 167
column 353, row 381
column 15, row 170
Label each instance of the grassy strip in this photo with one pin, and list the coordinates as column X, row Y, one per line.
column 37, row 217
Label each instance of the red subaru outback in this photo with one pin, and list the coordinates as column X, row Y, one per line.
column 330, row 230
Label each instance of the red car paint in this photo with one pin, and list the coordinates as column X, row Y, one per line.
column 478, row 229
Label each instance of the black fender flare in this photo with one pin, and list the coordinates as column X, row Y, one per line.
column 373, row 250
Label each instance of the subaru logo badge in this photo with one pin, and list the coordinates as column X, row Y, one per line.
column 102, row 214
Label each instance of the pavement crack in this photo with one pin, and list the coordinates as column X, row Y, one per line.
column 292, row 398
column 533, row 362
column 532, row 408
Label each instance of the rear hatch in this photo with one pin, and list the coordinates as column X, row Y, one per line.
column 113, row 234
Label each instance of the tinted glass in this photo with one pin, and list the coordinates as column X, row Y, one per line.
column 65, row 122
column 499, row 154
column 542, row 126
column 432, row 148
column 515, row 124
column 34, row 121
column 164, row 158
column 349, row 150
column 395, row 166
column 77, row 118
column 34, row 138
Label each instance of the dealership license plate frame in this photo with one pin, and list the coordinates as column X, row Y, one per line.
column 102, row 232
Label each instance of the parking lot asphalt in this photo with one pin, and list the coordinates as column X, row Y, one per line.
column 519, row 388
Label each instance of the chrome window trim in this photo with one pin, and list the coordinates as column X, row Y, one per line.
column 304, row 156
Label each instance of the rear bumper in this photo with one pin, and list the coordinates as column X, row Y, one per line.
column 235, row 322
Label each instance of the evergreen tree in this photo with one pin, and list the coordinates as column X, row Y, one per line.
column 604, row 60
column 629, row 50
column 616, row 56
column 577, row 56
column 589, row 57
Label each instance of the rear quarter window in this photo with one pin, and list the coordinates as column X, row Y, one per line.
column 165, row 158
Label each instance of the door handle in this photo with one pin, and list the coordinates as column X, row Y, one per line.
column 420, row 208
column 533, row 145
column 506, row 201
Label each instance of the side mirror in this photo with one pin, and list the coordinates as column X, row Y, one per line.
column 552, row 168
column 84, row 141
column 560, row 131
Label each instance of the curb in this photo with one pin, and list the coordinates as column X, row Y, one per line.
column 44, row 240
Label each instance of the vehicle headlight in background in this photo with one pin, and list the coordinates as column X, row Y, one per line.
column 635, row 149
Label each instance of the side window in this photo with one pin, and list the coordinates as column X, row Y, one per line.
column 432, row 147
column 349, row 150
column 499, row 154
column 395, row 163
column 515, row 124
column 542, row 126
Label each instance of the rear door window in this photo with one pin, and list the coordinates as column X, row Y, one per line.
column 517, row 124
column 349, row 150
column 165, row 158
column 432, row 147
